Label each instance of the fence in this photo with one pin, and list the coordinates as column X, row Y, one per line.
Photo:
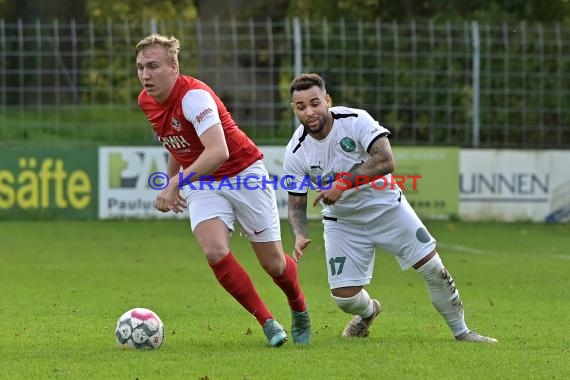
column 464, row 84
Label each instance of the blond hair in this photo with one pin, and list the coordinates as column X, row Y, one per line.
column 171, row 44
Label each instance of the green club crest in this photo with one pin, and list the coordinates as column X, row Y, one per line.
column 347, row 144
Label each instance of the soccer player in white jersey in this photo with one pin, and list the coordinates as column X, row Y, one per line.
column 334, row 149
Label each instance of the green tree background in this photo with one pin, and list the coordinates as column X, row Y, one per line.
column 488, row 10
column 399, row 110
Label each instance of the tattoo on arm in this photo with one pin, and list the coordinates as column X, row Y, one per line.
column 297, row 215
column 381, row 161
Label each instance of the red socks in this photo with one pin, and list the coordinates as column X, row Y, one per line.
column 289, row 283
column 237, row 282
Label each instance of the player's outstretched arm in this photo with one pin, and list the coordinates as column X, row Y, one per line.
column 297, row 216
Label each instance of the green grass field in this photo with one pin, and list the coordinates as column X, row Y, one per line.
column 100, row 124
column 64, row 284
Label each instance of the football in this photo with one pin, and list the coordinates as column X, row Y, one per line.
column 139, row 328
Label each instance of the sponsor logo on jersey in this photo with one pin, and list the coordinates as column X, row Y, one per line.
column 347, row 144
column 174, row 142
column 202, row 115
column 176, row 125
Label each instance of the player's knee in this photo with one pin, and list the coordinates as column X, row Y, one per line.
column 271, row 257
column 355, row 304
column 425, row 259
column 274, row 268
column 215, row 252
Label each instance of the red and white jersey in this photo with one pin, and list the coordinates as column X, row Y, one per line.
column 191, row 108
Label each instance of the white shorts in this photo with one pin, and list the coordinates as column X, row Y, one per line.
column 254, row 207
column 350, row 248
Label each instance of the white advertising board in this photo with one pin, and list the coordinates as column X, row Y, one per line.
column 127, row 176
column 501, row 185
column 511, row 185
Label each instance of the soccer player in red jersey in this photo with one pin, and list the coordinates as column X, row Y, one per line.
column 202, row 139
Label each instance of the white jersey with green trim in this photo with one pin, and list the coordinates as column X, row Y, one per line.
column 310, row 164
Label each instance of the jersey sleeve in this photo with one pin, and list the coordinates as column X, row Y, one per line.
column 294, row 178
column 369, row 131
column 200, row 109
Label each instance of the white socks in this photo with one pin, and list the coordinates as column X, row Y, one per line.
column 444, row 294
column 444, row 297
column 359, row 304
